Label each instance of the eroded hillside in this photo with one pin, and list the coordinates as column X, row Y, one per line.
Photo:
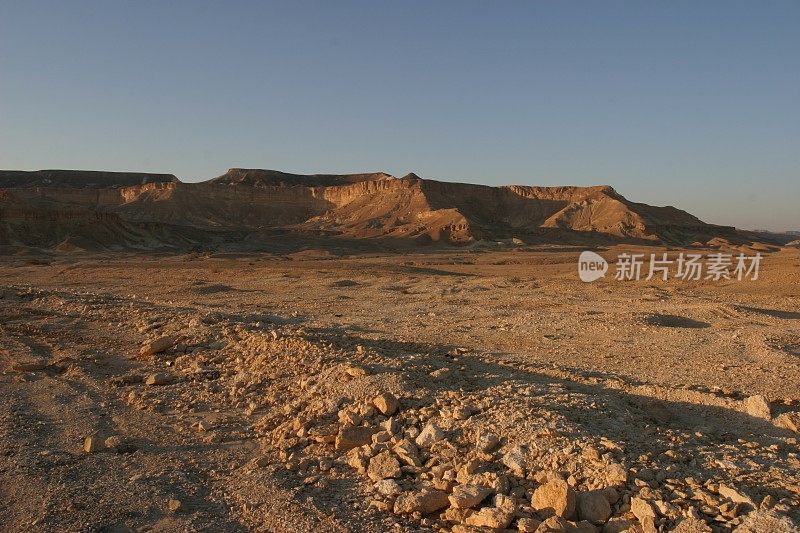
column 101, row 210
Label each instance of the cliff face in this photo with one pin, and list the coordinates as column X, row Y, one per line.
column 70, row 219
column 106, row 209
column 268, row 178
column 430, row 210
column 79, row 178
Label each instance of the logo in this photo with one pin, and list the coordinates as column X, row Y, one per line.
column 689, row 267
column 591, row 266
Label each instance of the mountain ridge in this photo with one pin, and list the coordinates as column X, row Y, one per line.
column 152, row 211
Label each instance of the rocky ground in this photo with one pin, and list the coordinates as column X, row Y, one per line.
column 463, row 391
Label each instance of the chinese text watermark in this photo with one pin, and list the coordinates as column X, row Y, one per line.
column 686, row 266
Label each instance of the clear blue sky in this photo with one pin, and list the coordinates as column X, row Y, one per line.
column 685, row 103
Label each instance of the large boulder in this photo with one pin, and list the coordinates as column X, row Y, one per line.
column 555, row 497
column 424, row 502
column 593, row 506
column 353, row 437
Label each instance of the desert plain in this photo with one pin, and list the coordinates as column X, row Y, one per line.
column 437, row 389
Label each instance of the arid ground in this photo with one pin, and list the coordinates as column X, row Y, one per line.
column 442, row 390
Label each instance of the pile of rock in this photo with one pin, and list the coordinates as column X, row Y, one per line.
column 444, row 452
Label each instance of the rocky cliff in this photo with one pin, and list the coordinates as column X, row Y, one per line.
column 131, row 210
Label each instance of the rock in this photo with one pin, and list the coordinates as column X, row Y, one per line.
column 505, row 502
column 158, row 345
column 463, row 412
column 593, row 506
column 616, row 474
column 557, row 524
column 726, row 509
column 355, row 371
column 790, row 421
column 381, row 505
column 554, row 524
column 472, row 466
column 491, row 517
column 487, row 442
column 611, row 495
column 733, row 495
column 93, row 444
column 349, row 418
column 383, row 466
column 516, row 460
column 768, row 502
column 527, row 525
column 174, row 505
column 391, row 425
column 461, row 528
column 763, row 521
column 423, row 502
column 692, row 525
column 408, row 453
column 644, row 513
column 353, row 437
column 501, row 484
column 358, row 459
column 641, row 509
column 381, row 436
column 619, row 524
column 581, row 527
column 467, row 496
column 429, row 435
column 758, row 406
column 159, row 378
column 590, row 453
column 388, row 487
column 554, row 497
column 451, row 514
column 386, row 403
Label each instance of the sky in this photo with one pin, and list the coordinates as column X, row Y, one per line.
column 684, row 103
